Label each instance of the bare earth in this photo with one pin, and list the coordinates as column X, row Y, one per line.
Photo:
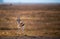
column 29, row 37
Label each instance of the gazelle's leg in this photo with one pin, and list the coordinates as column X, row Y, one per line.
column 22, row 28
column 18, row 29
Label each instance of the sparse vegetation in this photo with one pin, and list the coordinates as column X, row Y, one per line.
column 39, row 20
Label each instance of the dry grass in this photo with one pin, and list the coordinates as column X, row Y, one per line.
column 40, row 20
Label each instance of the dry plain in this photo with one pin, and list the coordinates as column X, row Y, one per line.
column 39, row 19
